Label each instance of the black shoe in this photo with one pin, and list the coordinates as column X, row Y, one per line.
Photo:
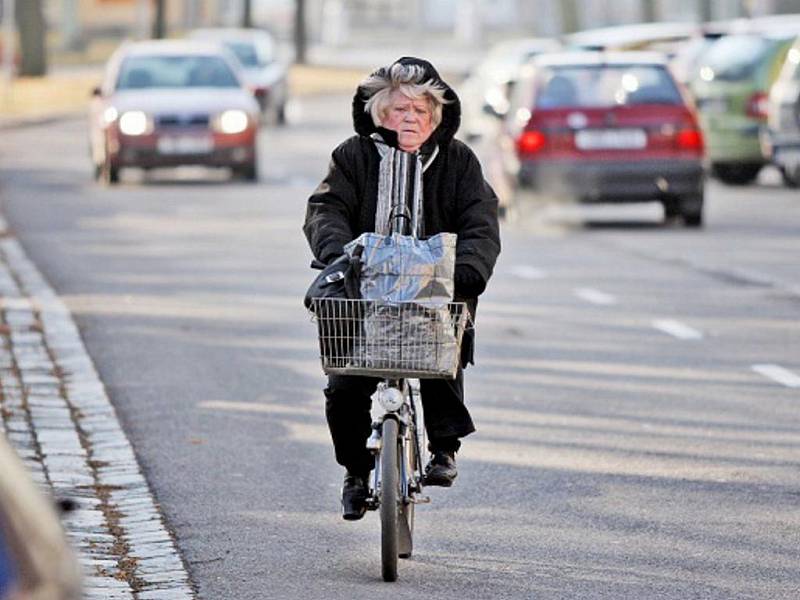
column 354, row 497
column 441, row 469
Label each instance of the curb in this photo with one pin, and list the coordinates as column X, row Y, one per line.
column 58, row 418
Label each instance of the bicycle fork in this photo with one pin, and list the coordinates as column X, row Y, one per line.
column 391, row 395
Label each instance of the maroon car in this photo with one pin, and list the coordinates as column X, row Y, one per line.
column 606, row 127
column 169, row 103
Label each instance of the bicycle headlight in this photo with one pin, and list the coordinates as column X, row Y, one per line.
column 134, row 122
column 391, row 399
column 233, row 121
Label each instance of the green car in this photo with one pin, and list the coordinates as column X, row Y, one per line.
column 731, row 89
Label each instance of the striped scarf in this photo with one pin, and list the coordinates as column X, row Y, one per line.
column 400, row 189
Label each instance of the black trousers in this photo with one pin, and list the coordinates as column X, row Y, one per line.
column 348, row 405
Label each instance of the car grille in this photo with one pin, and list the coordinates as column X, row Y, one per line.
column 173, row 120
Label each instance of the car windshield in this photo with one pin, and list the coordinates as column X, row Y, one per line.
column 736, row 57
column 246, row 53
column 588, row 86
column 140, row 72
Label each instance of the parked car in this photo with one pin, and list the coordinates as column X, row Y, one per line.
column 169, row 103
column 663, row 37
column 781, row 139
column 731, row 89
column 685, row 62
column 264, row 73
column 486, row 90
column 605, row 127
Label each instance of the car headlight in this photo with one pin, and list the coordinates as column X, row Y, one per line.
column 233, row 121
column 110, row 114
column 134, row 122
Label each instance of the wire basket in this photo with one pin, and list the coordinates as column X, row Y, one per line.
column 389, row 339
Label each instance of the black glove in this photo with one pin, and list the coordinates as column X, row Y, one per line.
column 468, row 282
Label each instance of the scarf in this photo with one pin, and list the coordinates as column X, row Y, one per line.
column 400, row 189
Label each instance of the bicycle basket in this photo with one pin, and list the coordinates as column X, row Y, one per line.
column 389, row 339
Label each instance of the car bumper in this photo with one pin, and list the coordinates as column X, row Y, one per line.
column 734, row 145
column 149, row 151
column 619, row 182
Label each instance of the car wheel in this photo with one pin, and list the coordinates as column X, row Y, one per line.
column 280, row 114
column 791, row 177
column 735, row 174
column 248, row 172
column 672, row 209
column 691, row 210
column 110, row 173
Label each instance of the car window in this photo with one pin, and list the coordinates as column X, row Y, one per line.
column 606, row 85
column 245, row 52
column 734, row 58
column 140, row 72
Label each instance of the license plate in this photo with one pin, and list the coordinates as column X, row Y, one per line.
column 714, row 106
column 610, row 139
column 185, row 144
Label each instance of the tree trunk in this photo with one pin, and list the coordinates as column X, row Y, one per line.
column 649, row 11
column 570, row 20
column 300, row 32
column 33, row 53
column 160, row 20
column 247, row 14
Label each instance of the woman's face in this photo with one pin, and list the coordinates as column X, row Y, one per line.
column 411, row 119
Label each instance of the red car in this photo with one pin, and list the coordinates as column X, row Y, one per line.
column 168, row 103
column 605, row 127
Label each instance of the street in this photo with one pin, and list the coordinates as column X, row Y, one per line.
column 635, row 388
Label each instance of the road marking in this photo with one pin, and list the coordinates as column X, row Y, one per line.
column 779, row 374
column 595, row 296
column 677, row 329
column 528, row 272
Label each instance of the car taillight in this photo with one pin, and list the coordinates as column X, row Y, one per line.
column 530, row 142
column 757, row 105
column 259, row 92
column 690, row 139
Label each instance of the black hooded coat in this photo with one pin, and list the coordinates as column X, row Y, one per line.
column 456, row 197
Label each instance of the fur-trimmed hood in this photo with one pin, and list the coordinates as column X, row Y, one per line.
column 451, row 112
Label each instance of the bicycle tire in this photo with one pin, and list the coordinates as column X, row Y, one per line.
column 406, row 518
column 390, row 487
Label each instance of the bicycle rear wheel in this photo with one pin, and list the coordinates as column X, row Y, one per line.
column 390, row 488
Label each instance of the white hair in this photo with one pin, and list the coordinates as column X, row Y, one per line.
column 408, row 79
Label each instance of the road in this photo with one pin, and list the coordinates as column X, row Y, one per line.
column 637, row 434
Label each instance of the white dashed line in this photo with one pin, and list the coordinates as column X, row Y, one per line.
column 779, row 374
column 527, row 272
column 677, row 329
column 595, row 296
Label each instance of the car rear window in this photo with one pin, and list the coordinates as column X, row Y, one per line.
column 140, row 72
column 587, row 86
column 734, row 58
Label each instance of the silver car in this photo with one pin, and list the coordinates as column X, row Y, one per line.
column 169, row 103
column 264, row 73
column 781, row 139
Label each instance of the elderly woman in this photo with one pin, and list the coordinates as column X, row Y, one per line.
column 405, row 107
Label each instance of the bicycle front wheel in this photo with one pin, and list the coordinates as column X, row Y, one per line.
column 390, row 489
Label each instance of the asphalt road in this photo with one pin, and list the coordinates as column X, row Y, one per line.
column 634, row 437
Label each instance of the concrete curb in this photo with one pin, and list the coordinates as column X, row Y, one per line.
column 59, row 419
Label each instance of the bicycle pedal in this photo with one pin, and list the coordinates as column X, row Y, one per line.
column 421, row 499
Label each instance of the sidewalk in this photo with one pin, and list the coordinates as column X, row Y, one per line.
column 56, row 415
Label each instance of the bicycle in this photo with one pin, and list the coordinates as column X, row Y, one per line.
column 394, row 341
